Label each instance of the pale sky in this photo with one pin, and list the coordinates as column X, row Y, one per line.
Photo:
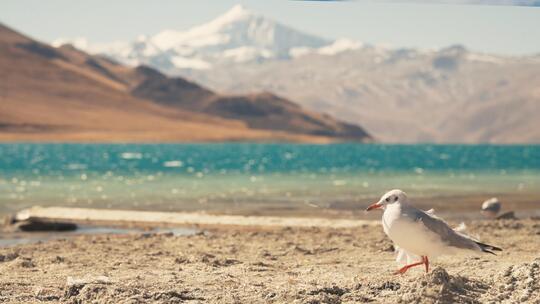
column 511, row 30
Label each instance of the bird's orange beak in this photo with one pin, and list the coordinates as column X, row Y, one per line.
column 374, row 206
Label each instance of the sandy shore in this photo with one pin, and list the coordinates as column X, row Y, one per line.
column 269, row 265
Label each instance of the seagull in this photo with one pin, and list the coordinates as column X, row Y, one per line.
column 491, row 207
column 418, row 233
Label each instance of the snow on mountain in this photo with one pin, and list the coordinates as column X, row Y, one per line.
column 338, row 46
column 190, row 63
column 238, row 36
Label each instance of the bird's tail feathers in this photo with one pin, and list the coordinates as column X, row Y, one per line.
column 488, row 248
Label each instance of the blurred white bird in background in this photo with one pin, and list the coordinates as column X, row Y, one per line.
column 491, row 207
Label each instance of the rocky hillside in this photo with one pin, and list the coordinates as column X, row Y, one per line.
column 264, row 111
column 448, row 96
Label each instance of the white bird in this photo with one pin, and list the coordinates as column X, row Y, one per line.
column 491, row 207
column 421, row 234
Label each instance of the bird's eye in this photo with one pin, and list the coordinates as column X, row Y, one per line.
column 395, row 199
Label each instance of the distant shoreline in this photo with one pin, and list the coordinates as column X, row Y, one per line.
column 319, row 141
column 451, row 207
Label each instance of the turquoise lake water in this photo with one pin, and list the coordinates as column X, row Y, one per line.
column 234, row 176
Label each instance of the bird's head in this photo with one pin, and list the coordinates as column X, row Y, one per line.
column 390, row 197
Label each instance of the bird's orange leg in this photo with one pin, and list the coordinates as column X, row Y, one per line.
column 426, row 262
column 404, row 269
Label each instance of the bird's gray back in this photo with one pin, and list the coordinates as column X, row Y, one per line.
column 441, row 228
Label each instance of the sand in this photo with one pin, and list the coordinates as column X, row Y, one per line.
column 269, row 265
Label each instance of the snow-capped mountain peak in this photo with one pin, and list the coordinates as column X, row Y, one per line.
column 237, row 36
column 237, row 12
column 215, row 32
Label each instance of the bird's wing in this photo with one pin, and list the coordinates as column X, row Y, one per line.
column 459, row 229
column 446, row 234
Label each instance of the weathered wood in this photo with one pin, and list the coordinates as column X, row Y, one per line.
column 78, row 215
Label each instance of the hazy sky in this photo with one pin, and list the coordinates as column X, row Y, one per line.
column 493, row 29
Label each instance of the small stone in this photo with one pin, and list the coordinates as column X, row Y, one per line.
column 26, row 263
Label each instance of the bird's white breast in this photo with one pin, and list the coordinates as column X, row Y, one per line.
column 409, row 234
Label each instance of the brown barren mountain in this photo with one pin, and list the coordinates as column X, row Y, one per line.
column 63, row 94
column 264, row 111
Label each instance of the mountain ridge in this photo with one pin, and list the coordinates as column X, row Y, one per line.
column 65, row 94
column 238, row 35
column 405, row 97
column 399, row 95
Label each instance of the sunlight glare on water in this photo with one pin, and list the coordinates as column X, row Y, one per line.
column 229, row 176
